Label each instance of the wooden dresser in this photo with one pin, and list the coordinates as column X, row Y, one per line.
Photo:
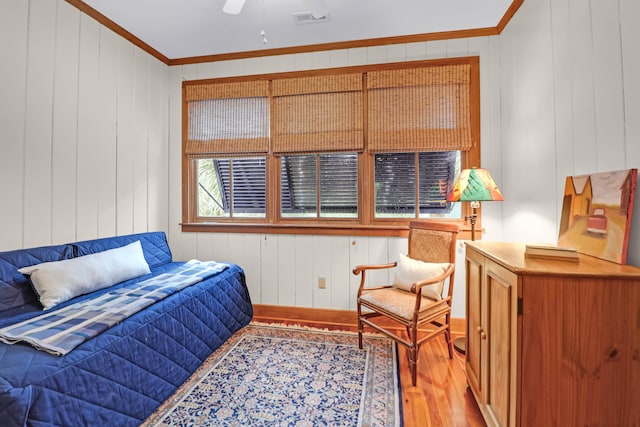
column 552, row 343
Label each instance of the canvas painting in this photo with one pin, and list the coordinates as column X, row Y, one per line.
column 596, row 214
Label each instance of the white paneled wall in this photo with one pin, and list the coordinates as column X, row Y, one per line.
column 83, row 129
column 570, row 105
column 90, row 136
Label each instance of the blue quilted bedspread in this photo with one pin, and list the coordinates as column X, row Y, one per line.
column 119, row 377
column 60, row 331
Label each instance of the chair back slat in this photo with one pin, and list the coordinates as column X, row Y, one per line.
column 432, row 241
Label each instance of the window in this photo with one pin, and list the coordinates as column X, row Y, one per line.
column 232, row 188
column 400, row 191
column 329, row 181
column 361, row 147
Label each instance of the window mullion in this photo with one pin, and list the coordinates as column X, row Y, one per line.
column 274, row 189
column 318, row 187
column 416, row 160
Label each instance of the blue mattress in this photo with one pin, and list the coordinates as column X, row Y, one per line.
column 121, row 376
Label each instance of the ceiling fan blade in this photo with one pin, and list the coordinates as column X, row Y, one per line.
column 233, row 7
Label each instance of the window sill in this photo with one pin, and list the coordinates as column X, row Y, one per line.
column 317, row 229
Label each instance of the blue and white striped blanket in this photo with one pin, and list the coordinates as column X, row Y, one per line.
column 60, row 331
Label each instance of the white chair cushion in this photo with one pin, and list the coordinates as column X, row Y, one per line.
column 411, row 270
column 59, row 281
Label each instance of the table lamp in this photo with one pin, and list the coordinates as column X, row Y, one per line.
column 474, row 185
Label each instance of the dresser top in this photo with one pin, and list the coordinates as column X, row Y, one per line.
column 511, row 256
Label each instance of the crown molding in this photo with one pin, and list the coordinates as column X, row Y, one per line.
column 381, row 41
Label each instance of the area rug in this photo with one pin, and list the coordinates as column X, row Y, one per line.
column 272, row 375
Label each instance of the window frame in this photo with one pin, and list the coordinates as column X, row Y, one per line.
column 365, row 223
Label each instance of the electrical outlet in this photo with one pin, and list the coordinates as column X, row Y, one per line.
column 322, row 282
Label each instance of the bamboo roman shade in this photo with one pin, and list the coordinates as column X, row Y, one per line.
column 424, row 109
column 318, row 114
column 227, row 118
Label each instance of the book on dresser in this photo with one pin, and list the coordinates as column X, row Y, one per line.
column 551, row 252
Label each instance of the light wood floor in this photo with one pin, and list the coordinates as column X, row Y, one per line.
column 441, row 397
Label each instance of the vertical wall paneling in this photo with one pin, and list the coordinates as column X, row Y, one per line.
column 180, row 242
column 204, row 247
column 65, row 124
column 269, row 277
column 339, row 280
column 88, row 123
column 106, row 166
column 139, row 141
column 125, row 140
column 220, row 243
column 356, row 57
column 457, row 47
column 61, row 102
column 562, row 90
column 416, row 51
column 528, row 129
column 158, row 146
column 246, row 249
column 322, row 248
column 490, row 157
column 376, row 54
column 304, row 267
column 595, row 100
column 287, row 264
column 437, row 49
column 396, row 53
column 37, row 149
column 629, row 12
column 607, row 70
column 358, row 255
column 582, row 63
column 13, row 43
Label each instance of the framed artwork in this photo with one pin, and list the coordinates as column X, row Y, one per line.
column 596, row 214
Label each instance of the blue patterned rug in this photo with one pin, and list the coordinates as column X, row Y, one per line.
column 272, row 375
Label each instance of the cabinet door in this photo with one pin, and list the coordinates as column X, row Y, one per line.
column 497, row 338
column 474, row 272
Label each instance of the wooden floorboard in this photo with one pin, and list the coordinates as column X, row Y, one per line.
column 441, row 397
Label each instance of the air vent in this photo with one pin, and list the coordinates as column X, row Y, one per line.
column 308, row 18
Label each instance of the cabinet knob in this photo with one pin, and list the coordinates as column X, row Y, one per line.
column 479, row 330
column 483, row 335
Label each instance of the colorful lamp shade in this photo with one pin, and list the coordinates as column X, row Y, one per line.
column 474, row 185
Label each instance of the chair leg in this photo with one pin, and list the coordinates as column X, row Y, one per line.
column 447, row 337
column 413, row 355
column 360, row 327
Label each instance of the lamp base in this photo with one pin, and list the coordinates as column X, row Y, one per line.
column 460, row 344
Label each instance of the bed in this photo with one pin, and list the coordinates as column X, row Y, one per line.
column 120, row 376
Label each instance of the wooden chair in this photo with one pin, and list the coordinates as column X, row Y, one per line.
column 420, row 302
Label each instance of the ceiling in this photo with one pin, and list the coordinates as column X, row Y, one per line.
column 187, row 29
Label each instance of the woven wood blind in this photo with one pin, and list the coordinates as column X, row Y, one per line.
column 227, row 118
column 318, row 114
column 419, row 109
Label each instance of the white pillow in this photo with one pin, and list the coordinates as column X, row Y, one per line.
column 411, row 270
column 59, row 281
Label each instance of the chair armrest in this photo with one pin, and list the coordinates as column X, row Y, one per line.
column 418, row 285
column 360, row 268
